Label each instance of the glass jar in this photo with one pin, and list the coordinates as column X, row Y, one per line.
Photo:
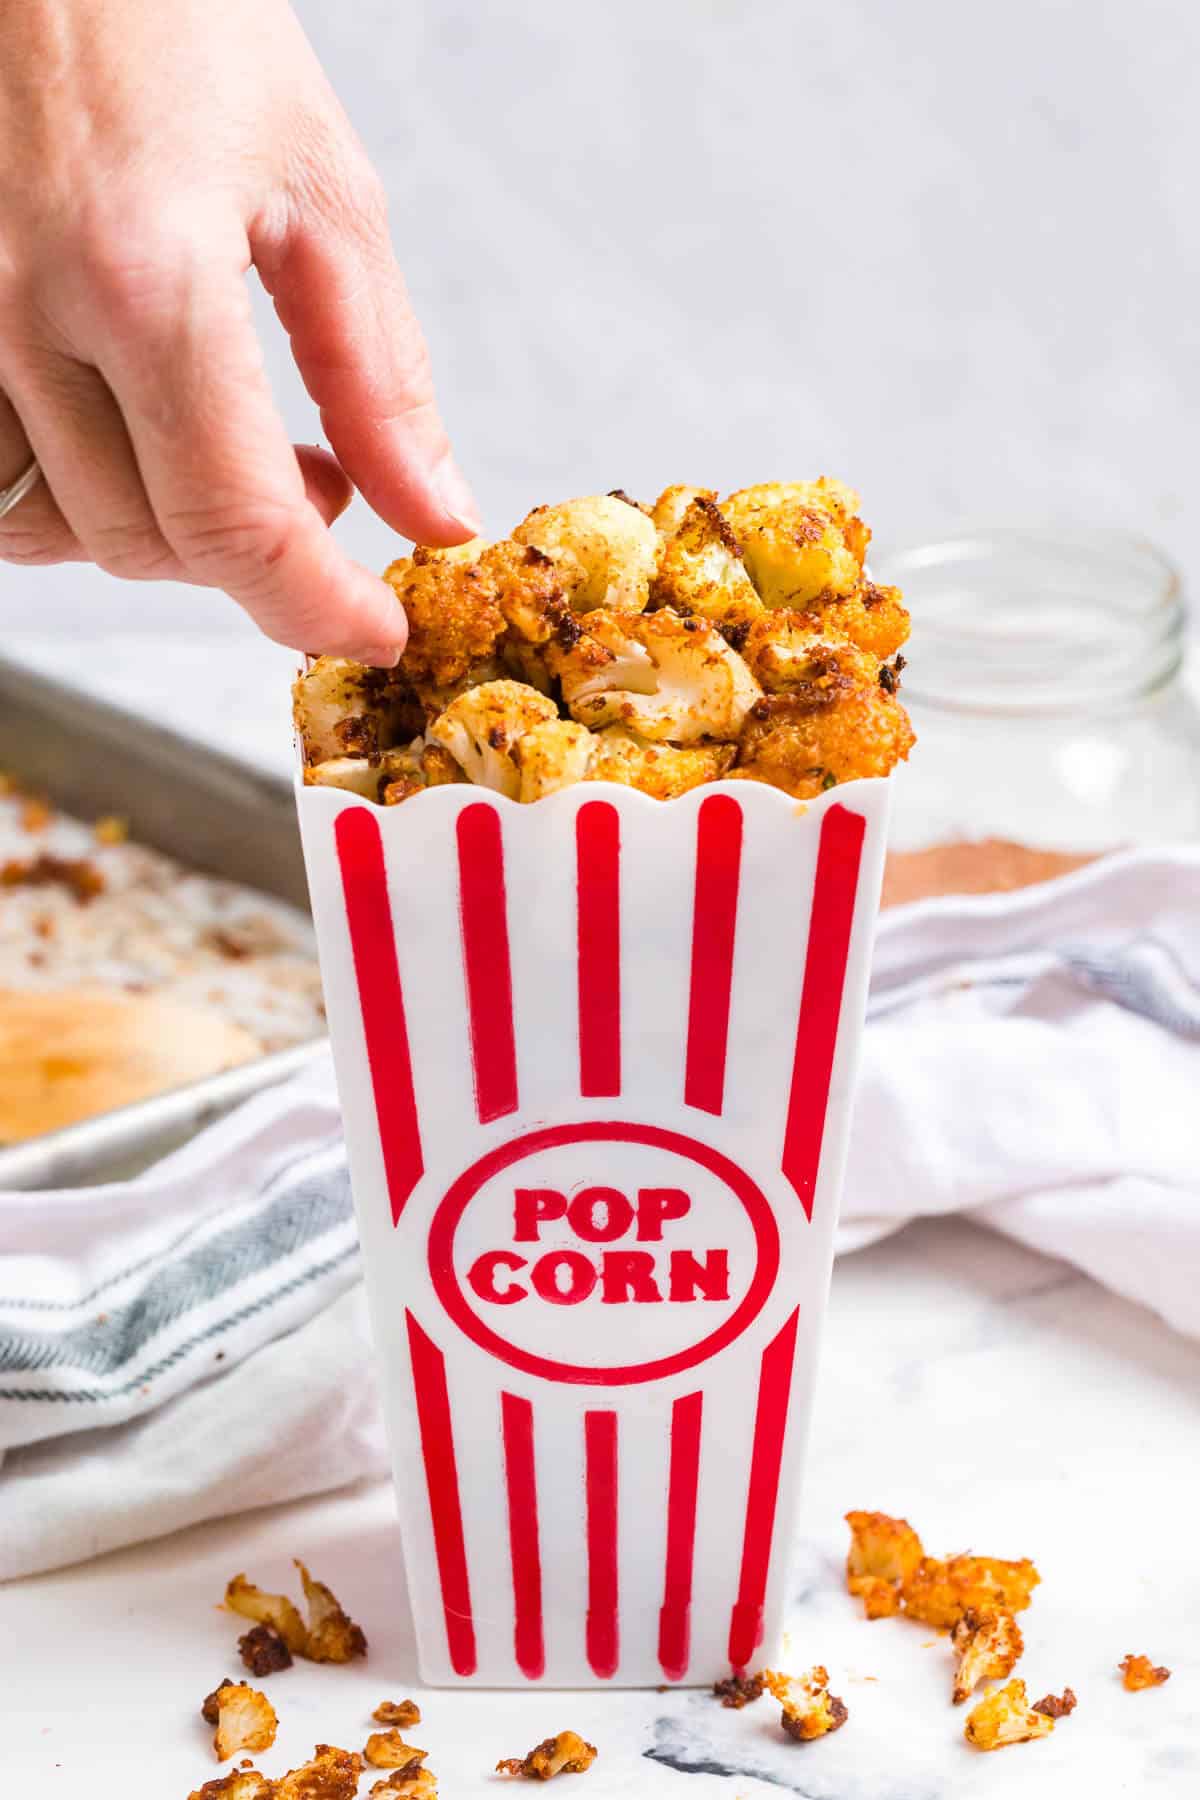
column 1046, row 690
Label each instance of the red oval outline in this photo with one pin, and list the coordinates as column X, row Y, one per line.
column 462, row 1191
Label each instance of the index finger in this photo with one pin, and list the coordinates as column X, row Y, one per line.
column 180, row 353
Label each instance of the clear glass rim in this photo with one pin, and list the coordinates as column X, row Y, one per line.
column 1156, row 622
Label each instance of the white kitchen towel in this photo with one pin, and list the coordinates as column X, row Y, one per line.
column 194, row 1343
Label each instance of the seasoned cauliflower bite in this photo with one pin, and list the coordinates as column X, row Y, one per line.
column 832, row 724
column 664, row 771
column 873, row 617
column 672, row 505
column 809, row 1709
column 330, row 1634
column 987, row 1646
column 564, row 1754
column 482, row 730
column 800, row 540
column 244, row 1719
column 604, row 550
column 701, row 571
column 239, row 1784
column 1005, row 1717
column 883, row 1553
column 670, row 679
column 454, row 616
column 1139, row 1672
column 342, row 709
column 940, row 1592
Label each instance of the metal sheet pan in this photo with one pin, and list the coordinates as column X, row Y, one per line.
column 208, row 811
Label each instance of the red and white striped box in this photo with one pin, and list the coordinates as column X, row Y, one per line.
column 596, row 1058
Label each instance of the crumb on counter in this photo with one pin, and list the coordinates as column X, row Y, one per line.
column 1138, row 1672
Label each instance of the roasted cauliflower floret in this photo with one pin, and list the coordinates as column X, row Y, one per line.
column 342, row 709
column 988, row 1646
column 239, row 1784
column 565, row 1754
column 330, row 1634
column 482, row 729
column 331, row 1775
column 883, row 1553
column 388, row 1750
column 701, row 570
column 800, row 541
column 873, row 617
column 244, row 1719
column 671, row 507
column 1138, row 1672
column 809, row 1709
column 669, row 679
column 940, row 1592
column 664, row 771
column 604, row 550
column 1005, row 1717
column 737, row 1691
column 554, row 755
column 1057, row 1706
column 807, row 742
column 529, row 590
column 454, row 614
column 354, row 774
column 414, row 1784
column 401, row 1713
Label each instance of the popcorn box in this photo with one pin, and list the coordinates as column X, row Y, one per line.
column 596, row 1059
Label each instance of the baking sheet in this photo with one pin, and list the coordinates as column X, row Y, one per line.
column 207, row 810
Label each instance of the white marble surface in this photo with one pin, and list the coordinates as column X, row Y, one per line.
column 998, row 1399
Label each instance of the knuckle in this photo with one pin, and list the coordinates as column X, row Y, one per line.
column 238, row 545
column 134, row 551
column 128, row 267
column 36, row 546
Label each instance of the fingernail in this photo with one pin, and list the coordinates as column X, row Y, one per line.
column 381, row 657
column 456, row 496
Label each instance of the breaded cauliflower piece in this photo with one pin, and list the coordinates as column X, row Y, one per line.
column 263, row 1651
column 342, row 709
column 331, row 1775
column 664, row 771
column 565, row 1754
column 940, row 1592
column 1005, row 1717
column 988, row 1646
column 333, row 1637
column 800, row 540
column 555, row 754
column 701, row 571
column 482, row 729
column 244, row 1719
column 737, row 1691
column 454, row 615
column 1057, row 1706
column 671, row 507
column 881, row 1545
column 1138, row 1672
column 873, row 617
column 388, row 1750
column 809, row 1709
column 604, row 550
column 401, row 1713
column 669, row 679
column 810, row 740
column 330, row 1634
column 275, row 1610
column 414, row 1784
column 239, row 1784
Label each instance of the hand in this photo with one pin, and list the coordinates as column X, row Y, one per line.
column 151, row 154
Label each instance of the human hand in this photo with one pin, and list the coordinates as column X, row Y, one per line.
column 152, row 154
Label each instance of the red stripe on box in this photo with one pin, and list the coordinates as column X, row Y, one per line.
column 675, row 1619
column 834, row 892
column 770, row 1426
column 445, row 1507
column 521, row 1479
column 381, row 1001
column 598, row 849
column 714, row 922
column 600, row 1459
column 486, row 961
